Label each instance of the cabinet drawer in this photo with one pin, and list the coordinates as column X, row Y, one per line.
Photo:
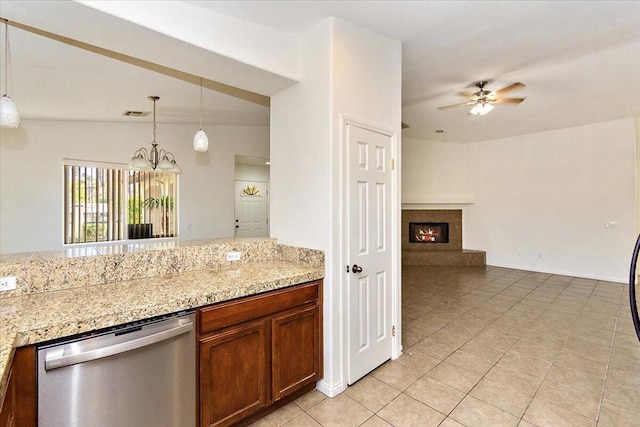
column 231, row 312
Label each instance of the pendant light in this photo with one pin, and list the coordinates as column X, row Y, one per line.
column 200, row 139
column 9, row 115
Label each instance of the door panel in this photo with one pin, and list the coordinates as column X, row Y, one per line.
column 232, row 387
column 251, row 209
column 369, row 292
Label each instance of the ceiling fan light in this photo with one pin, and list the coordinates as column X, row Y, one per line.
column 480, row 109
column 9, row 115
column 200, row 141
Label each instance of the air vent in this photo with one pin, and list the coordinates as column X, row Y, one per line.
column 136, row 113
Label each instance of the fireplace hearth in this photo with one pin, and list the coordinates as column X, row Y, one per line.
column 429, row 232
column 434, row 237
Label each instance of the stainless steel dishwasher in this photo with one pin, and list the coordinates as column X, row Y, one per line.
column 141, row 374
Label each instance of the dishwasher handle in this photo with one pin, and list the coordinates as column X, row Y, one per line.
column 57, row 359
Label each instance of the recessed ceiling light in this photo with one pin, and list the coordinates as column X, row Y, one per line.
column 439, row 131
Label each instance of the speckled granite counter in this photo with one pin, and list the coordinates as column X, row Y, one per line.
column 74, row 307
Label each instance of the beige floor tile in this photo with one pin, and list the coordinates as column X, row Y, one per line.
column 406, row 411
column 570, row 399
column 376, row 421
column 621, row 395
column 514, row 378
column 497, row 339
column 580, row 363
column 502, row 396
column 396, row 375
column 626, row 359
column 433, row 348
column 437, row 395
column 576, row 380
column 623, row 377
column 523, row 362
column 418, row 361
column 310, row 400
column 543, row 414
column 280, row 416
column 474, row 412
column 484, row 349
column 588, row 350
column 454, row 376
column 302, row 420
column 470, row 362
column 372, row 393
column 450, row 422
column 340, row 411
column 453, row 335
column 612, row 415
column 536, row 350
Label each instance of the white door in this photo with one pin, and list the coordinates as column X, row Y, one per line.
column 369, row 249
column 251, row 209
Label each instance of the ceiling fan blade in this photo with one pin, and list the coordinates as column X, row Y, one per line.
column 466, row 94
column 507, row 101
column 456, row 105
column 515, row 86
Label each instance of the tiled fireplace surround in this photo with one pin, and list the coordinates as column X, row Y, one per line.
column 437, row 253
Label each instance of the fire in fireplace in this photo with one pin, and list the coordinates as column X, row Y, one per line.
column 429, row 232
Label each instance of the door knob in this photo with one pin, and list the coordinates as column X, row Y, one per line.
column 356, row 268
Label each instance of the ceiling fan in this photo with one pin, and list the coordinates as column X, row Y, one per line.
column 482, row 100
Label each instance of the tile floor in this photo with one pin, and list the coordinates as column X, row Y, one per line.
column 487, row 346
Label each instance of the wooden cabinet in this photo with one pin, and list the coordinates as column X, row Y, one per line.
column 258, row 353
column 19, row 405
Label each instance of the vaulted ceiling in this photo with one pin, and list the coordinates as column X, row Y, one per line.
column 580, row 61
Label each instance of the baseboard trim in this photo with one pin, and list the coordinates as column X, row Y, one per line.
column 330, row 390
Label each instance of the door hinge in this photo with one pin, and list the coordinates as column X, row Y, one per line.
column 393, row 331
column 393, row 164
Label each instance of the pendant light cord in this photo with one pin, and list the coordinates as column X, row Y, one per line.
column 6, row 56
column 200, row 103
column 154, row 120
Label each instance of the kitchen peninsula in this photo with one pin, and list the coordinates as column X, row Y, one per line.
column 72, row 292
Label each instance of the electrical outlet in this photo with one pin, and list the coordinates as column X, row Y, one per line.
column 233, row 256
column 7, row 283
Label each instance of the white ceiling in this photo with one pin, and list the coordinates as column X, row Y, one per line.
column 580, row 61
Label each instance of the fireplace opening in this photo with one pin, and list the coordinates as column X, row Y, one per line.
column 429, row 232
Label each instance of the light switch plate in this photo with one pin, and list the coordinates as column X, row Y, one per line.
column 233, row 256
column 7, row 283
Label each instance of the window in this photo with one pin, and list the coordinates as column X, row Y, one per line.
column 100, row 199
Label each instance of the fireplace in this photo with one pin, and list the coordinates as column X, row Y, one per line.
column 429, row 232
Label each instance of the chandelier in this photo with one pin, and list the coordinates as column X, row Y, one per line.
column 148, row 160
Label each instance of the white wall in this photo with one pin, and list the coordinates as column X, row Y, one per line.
column 540, row 201
column 347, row 71
column 31, row 174
column 432, row 171
column 252, row 173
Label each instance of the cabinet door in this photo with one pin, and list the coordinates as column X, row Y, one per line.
column 295, row 345
column 233, row 374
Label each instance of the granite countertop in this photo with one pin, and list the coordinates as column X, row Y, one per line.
column 38, row 317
